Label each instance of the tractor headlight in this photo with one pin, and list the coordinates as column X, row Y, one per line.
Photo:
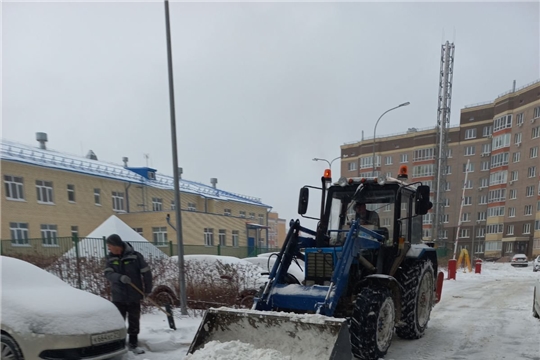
column 342, row 181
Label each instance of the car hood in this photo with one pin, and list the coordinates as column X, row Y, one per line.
column 59, row 310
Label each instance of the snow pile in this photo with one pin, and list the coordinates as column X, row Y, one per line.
column 35, row 301
column 235, row 350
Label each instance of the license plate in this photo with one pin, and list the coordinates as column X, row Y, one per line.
column 105, row 337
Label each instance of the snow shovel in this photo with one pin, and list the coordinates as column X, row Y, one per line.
column 167, row 312
column 300, row 336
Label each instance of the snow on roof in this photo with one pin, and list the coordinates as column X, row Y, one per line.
column 12, row 151
column 92, row 246
column 35, row 301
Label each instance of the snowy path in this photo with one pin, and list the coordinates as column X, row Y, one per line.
column 485, row 316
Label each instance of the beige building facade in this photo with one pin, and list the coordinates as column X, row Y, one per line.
column 501, row 198
column 49, row 195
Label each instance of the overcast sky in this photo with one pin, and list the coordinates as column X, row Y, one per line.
column 261, row 89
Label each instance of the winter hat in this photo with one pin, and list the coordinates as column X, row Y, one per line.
column 115, row 240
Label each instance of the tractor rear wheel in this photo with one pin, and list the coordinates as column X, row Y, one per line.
column 417, row 299
column 372, row 324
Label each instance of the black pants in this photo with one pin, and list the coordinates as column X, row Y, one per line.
column 133, row 311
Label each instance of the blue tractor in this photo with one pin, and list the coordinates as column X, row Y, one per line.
column 368, row 275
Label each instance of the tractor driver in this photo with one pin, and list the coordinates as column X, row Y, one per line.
column 365, row 216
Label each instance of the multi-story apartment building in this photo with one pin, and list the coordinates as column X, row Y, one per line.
column 48, row 195
column 500, row 215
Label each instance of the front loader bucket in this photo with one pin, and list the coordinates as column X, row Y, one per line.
column 300, row 336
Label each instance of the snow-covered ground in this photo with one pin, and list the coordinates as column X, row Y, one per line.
column 480, row 316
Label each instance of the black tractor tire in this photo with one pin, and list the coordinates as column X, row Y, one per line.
column 9, row 349
column 372, row 323
column 417, row 299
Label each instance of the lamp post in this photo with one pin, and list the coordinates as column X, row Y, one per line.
column 329, row 162
column 375, row 130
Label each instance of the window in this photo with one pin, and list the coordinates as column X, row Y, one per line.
column 481, row 216
column 19, row 233
column 470, row 134
column 227, row 212
column 424, row 154
column 499, row 177
column 519, row 119
column 502, row 122
column 470, row 150
column 536, row 112
column 118, row 201
column 466, row 217
column 528, row 210
column 510, row 230
column 497, row 195
column 501, row 141
column 71, row 193
column 531, row 171
column 447, row 170
column 74, row 231
column 173, row 205
column 367, row 162
column 97, row 197
column 536, row 244
column 537, row 225
column 261, row 219
column 235, row 238
column 157, row 204
column 467, row 200
column 482, row 200
column 494, row 229
column 512, row 212
column 514, row 175
column 517, row 138
column 513, row 194
column 191, row 206
column 446, row 202
column 447, row 186
column 446, row 218
column 526, row 228
column 426, row 233
column 252, row 215
column 138, row 231
column 159, row 236
column 208, row 236
column 352, row 166
column 471, row 167
column 388, row 160
column 444, row 234
column 49, row 235
column 493, row 245
column 508, row 247
column 222, row 237
column 423, row 170
column 535, row 132
column 481, row 232
column 484, row 182
column 487, row 131
column 496, row 211
column 486, row 149
column 485, row 165
column 404, row 158
column 516, row 157
column 242, row 214
column 468, row 184
column 499, row 160
column 529, row 191
column 479, row 248
column 464, row 233
column 388, row 221
column 533, row 152
column 14, row 187
column 44, row 192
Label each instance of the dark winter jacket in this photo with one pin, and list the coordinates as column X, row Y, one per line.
column 132, row 264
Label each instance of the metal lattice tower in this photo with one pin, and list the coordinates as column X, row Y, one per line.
column 443, row 124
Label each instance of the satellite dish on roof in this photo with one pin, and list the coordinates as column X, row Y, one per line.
column 91, row 155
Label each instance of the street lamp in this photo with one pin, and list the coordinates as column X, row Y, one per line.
column 329, row 162
column 375, row 130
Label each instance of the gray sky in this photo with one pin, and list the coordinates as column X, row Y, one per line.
column 261, row 89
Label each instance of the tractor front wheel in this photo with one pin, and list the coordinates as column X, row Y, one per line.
column 372, row 324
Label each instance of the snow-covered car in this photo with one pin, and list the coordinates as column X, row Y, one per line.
column 519, row 260
column 45, row 318
column 536, row 264
column 267, row 263
column 536, row 300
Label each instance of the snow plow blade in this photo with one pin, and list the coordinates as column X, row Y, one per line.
column 302, row 337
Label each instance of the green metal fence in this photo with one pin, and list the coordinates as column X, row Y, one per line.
column 73, row 247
